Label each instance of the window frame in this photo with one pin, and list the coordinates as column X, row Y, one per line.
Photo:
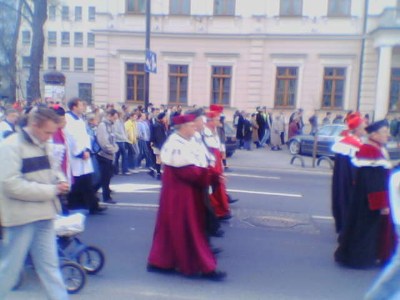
column 78, row 42
column 78, row 13
column 335, row 78
column 226, row 10
column 50, row 40
column 221, row 77
column 136, row 73
column 91, row 66
column 85, row 86
column 65, row 42
column 394, row 80
column 286, row 78
column 51, row 63
column 52, row 12
column 65, row 13
column 90, row 40
column 65, row 66
column 77, row 66
column 136, row 7
column 339, row 4
column 179, row 7
column 181, row 87
column 92, row 13
column 292, row 11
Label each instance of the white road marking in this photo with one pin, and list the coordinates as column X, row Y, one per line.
column 325, row 218
column 251, row 176
column 266, row 193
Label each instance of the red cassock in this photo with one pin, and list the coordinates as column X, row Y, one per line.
column 218, row 197
column 179, row 240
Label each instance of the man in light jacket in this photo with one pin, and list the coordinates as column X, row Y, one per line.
column 29, row 186
column 106, row 156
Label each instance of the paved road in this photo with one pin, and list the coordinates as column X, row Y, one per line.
column 278, row 245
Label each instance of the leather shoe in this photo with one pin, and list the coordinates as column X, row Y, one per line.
column 218, row 233
column 216, row 250
column 215, row 275
column 98, row 210
column 152, row 268
column 231, row 200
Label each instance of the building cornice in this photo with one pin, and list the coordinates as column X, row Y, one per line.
column 178, row 54
column 227, row 36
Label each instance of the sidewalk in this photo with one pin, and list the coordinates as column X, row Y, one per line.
column 265, row 158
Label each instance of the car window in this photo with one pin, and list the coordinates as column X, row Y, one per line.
column 325, row 130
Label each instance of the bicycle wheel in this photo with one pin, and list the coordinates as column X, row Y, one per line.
column 91, row 259
column 74, row 276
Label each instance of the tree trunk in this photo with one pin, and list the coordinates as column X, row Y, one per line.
column 36, row 57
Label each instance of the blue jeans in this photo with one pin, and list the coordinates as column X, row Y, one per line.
column 38, row 239
column 387, row 284
column 122, row 152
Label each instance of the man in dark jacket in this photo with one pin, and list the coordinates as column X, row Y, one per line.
column 158, row 138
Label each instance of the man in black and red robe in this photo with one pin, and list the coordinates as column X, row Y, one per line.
column 367, row 238
column 344, row 171
column 180, row 242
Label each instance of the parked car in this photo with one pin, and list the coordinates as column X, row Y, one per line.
column 326, row 136
column 230, row 142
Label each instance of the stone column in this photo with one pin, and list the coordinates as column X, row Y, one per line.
column 383, row 82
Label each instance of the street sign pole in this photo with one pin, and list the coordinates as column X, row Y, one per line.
column 147, row 74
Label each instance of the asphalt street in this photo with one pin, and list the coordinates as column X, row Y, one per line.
column 278, row 245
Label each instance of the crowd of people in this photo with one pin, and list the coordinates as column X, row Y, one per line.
column 57, row 159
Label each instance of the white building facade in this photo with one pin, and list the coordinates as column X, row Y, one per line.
column 325, row 55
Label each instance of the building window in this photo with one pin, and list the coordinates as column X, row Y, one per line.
column 78, row 13
column 52, row 12
column 26, row 62
column 395, row 90
column 92, row 13
column 135, row 82
column 90, row 39
column 333, row 89
column 85, row 92
column 90, row 64
column 224, row 7
column 179, row 7
column 291, row 8
column 178, row 84
column 52, row 63
column 52, row 38
column 26, row 37
column 78, row 64
column 78, row 38
column 65, row 63
column 136, row 6
column 221, row 85
column 65, row 38
column 286, row 86
column 65, row 13
column 339, row 8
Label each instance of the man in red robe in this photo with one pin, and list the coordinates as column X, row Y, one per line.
column 219, row 197
column 179, row 241
column 368, row 238
column 344, row 171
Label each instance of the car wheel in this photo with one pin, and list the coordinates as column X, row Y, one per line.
column 294, row 147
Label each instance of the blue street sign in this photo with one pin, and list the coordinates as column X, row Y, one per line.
column 151, row 62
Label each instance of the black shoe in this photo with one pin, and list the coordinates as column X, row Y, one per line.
column 158, row 176
column 216, row 250
column 226, row 217
column 215, row 275
column 218, row 233
column 231, row 200
column 98, row 210
column 151, row 268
